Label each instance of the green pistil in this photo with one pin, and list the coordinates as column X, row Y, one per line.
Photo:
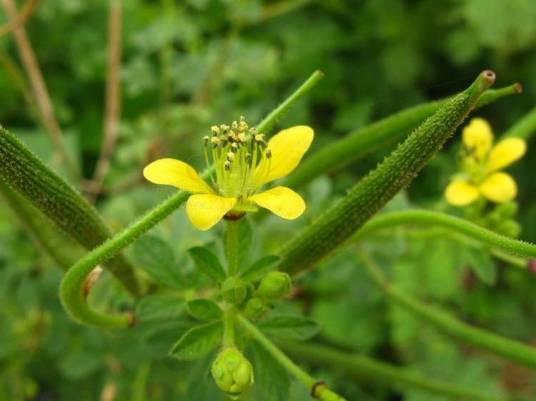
column 236, row 152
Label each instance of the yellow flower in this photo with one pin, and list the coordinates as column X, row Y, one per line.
column 243, row 162
column 481, row 162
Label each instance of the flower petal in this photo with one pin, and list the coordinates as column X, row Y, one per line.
column 499, row 187
column 282, row 201
column 506, row 152
column 177, row 174
column 205, row 210
column 461, row 193
column 287, row 147
column 478, row 137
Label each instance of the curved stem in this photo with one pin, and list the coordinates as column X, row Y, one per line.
column 318, row 388
column 510, row 349
column 426, row 217
column 71, row 288
column 363, row 368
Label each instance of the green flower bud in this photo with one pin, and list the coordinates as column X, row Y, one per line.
column 510, row 228
column 507, row 209
column 234, row 290
column 274, row 285
column 232, row 372
column 255, row 308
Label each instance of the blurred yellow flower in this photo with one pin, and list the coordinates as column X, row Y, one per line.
column 243, row 162
column 481, row 162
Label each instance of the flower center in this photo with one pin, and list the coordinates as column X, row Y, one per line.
column 240, row 157
column 474, row 164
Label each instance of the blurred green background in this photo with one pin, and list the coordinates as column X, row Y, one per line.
column 189, row 64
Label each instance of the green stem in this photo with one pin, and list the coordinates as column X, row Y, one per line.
column 429, row 218
column 523, row 128
column 510, row 349
column 340, row 221
column 271, row 119
column 363, row 368
column 317, row 388
column 379, row 134
column 229, row 327
column 232, row 244
column 72, row 285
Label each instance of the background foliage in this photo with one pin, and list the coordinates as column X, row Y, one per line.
column 189, row 64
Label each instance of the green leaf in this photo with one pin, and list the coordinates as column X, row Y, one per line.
column 159, row 307
column 290, row 327
column 208, row 263
column 259, row 268
column 271, row 379
column 482, row 265
column 198, row 341
column 157, row 259
column 245, row 234
column 204, row 309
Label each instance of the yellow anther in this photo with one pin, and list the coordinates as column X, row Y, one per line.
column 215, row 129
column 230, row 156
column 242, row 137
column 215, row 140
column 259, row 137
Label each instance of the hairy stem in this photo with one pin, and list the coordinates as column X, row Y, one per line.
column 232, row 243
column 317, row 388
column 363, row 368
column 510, row 349
column 369, row 195
column 429, row 218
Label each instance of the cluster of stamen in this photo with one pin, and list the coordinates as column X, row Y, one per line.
column 240, row 157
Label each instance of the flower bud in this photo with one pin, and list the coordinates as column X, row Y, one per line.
column 255, row 308
column 232, row 372
column 234, row 290
column 274, row 285
column 510, row 228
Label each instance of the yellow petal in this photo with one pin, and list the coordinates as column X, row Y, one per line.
column 506, row 152
column 282, row 201
column 205, row 210
column 499, row 187
column 478, row 137
column 461, row 193
column 287, row 147
column 177, row 174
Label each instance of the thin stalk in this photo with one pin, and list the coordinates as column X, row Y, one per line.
column 430, row 218
column 507, row 348
column 73, row 282
column 271, row 119
column 317, row 388
column 229, row 327
column 39, row 87
column 363, row 368
column 523, row 128
column 232, row 243
column 112, row 110
column 363, row 141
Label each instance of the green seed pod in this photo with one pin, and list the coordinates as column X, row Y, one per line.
column 274, row 285
column 255, row 308
column 234, row 290
column 232, row 372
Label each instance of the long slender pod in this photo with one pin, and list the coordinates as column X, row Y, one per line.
column 370, row 194
column 22, row 171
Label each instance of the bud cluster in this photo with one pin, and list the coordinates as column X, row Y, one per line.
column 253, row 301
column 232, row 372
column 237, row 152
